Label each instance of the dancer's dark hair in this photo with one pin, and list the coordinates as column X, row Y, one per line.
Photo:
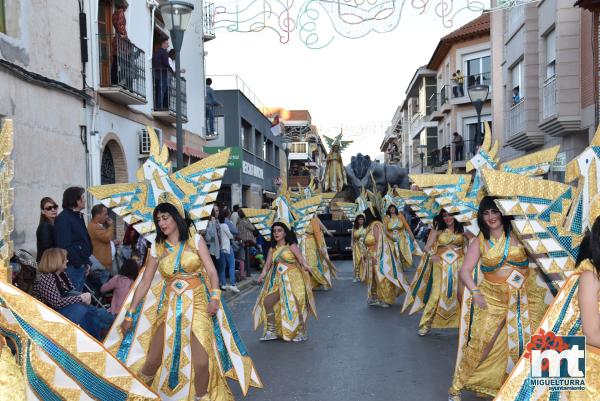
column 440, row 225
column 183, row 223
column 290, row 237
column 487, row 203
column 590, row 247
column 371, row 216
column 359, row 216
column 387, row 212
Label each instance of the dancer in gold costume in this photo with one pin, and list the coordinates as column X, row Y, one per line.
column 399, row 239
column 189, row 304
column 359, row 249
column 314, row 249
column 574, row 312
column 286, row 299
column 435, row 285
column 504, row 307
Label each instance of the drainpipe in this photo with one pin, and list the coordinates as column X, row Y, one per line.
column 153, row 4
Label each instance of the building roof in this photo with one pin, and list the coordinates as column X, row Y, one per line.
column 480, row 26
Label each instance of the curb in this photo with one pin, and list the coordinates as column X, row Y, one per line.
column 244, row 287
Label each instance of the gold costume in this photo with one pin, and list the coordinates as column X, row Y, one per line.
column 359, row 253
column 504, row 328
column 563, row 318
column 380, row 266
column 314, row 250
column 12, row 384
column 292, row 283
column 181, row 292
column 435, row 284
column 335, row 172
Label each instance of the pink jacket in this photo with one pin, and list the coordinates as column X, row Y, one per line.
column 120, row 286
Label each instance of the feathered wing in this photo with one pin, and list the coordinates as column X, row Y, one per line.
column 303, row 212
column 195, row 186
column 61, row 361
column 540, row 209
column 262, row 219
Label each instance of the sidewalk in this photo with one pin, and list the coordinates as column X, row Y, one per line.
column 244, row 286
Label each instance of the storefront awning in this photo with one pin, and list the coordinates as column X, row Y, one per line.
column 188, row 151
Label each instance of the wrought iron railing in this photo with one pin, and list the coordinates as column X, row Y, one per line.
column 516, row 118
column 165, row 94
column 122, row 64
column 208, row 22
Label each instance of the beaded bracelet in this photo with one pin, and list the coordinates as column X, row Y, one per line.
column 129, row 313
column 215, row 295
column 475, row 290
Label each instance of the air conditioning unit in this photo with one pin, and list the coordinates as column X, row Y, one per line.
column 144, row 142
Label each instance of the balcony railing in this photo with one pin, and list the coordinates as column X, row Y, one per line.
column 516, row 118
column 208, row 22
column 549, row 95
column 165, row 99
column 122, row 65
column 484, row 78
column 456, row 152
column 432, row 104
column 445, row 94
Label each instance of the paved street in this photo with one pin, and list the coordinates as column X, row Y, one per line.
column 354, row 352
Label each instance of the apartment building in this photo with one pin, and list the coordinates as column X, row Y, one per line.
column 543, row 70
column 133, row 91
column 42, row 90
column 305, row 150
column 437, row 102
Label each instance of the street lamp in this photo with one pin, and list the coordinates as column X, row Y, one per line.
column 177, row 15
column 478, row 95
column 286, row 144
column 422, row 149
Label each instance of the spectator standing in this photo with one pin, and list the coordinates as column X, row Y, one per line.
column 246, row 230
column 226, row 258
column 130, row 239
column 457, row 141
column 121, row 284
column 101, row 231
column 71, row 235
column 235, row 217
column 516, row 95
column 211, row 103
column 54, row 288
column 161, row 69
column 460, row 80
column 213, row 237
column 119, row 22
column 45, row 232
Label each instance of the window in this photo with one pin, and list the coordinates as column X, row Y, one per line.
column 2, row 17
column 550, row 54
column 276, row 153
column 517, row 88
column 478, row 71
column 470, row 132
column 268, row 151
column 258, row 144
column 299, row 147
column 246, row 133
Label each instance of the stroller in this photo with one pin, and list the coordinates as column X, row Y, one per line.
column 24, row 270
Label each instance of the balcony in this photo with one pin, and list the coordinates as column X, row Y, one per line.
column 554, row 121
column 549, row 98
column 122, row 70
column 208, row 22
column 300, row 151
column 165, row 101
column 434, row 107
column 460, row 92
column 518, row 136
column 458, row 153
column 444, row 97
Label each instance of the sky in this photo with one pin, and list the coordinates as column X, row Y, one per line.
column 352, row 84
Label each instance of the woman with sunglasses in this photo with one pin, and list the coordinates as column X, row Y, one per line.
column 506, row 305
column 45, row 231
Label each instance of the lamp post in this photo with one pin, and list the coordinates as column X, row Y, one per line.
column 177, row 15
column 286, row 143
column 422, row 149
column 478, row 95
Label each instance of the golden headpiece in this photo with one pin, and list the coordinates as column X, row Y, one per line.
column 168, row 197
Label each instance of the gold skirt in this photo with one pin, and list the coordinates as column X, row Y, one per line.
column 442, row 310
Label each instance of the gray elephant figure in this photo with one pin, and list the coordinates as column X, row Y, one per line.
column 359, row 174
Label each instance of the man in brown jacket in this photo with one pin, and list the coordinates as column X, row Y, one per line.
column 101, row 232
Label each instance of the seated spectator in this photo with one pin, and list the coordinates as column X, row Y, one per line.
column 54, row 288
column 121, row 284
